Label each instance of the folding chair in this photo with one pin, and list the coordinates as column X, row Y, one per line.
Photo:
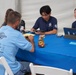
column 8, row 71
column 45, row 70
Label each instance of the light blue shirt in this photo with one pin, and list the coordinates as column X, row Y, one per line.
column 10, row 41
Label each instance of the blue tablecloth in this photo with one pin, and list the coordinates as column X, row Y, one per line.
column 58, row 52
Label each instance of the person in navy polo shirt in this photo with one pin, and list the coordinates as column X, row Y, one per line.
column 46, row 23
column 74, row 23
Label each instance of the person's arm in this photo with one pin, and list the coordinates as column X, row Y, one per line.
column 54, row 31
column 24, row 44
column 33, row 30
column 31, row 39
column 36, row 26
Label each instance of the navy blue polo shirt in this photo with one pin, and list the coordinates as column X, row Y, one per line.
column 74, row 24
column 46, row 25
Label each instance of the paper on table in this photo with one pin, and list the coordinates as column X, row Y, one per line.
column 27, row 34
column 73, row 43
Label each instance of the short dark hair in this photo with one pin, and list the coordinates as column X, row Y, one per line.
column 13, row 17
column 45, row 9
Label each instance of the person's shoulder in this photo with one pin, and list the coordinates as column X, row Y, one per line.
column 13, row 31
column 17, row 32
column 2, row 28
column 74, row 22
column 53, row 18
column 39, row 19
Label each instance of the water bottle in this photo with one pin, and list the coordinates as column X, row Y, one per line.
column 41, row 42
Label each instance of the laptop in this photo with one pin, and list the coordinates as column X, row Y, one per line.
column 70, row 33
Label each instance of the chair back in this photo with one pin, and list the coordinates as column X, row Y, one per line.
column 45, row 70
column 3, row 62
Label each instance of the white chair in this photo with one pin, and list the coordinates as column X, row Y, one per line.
column 45, row 70
column 8, row 71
